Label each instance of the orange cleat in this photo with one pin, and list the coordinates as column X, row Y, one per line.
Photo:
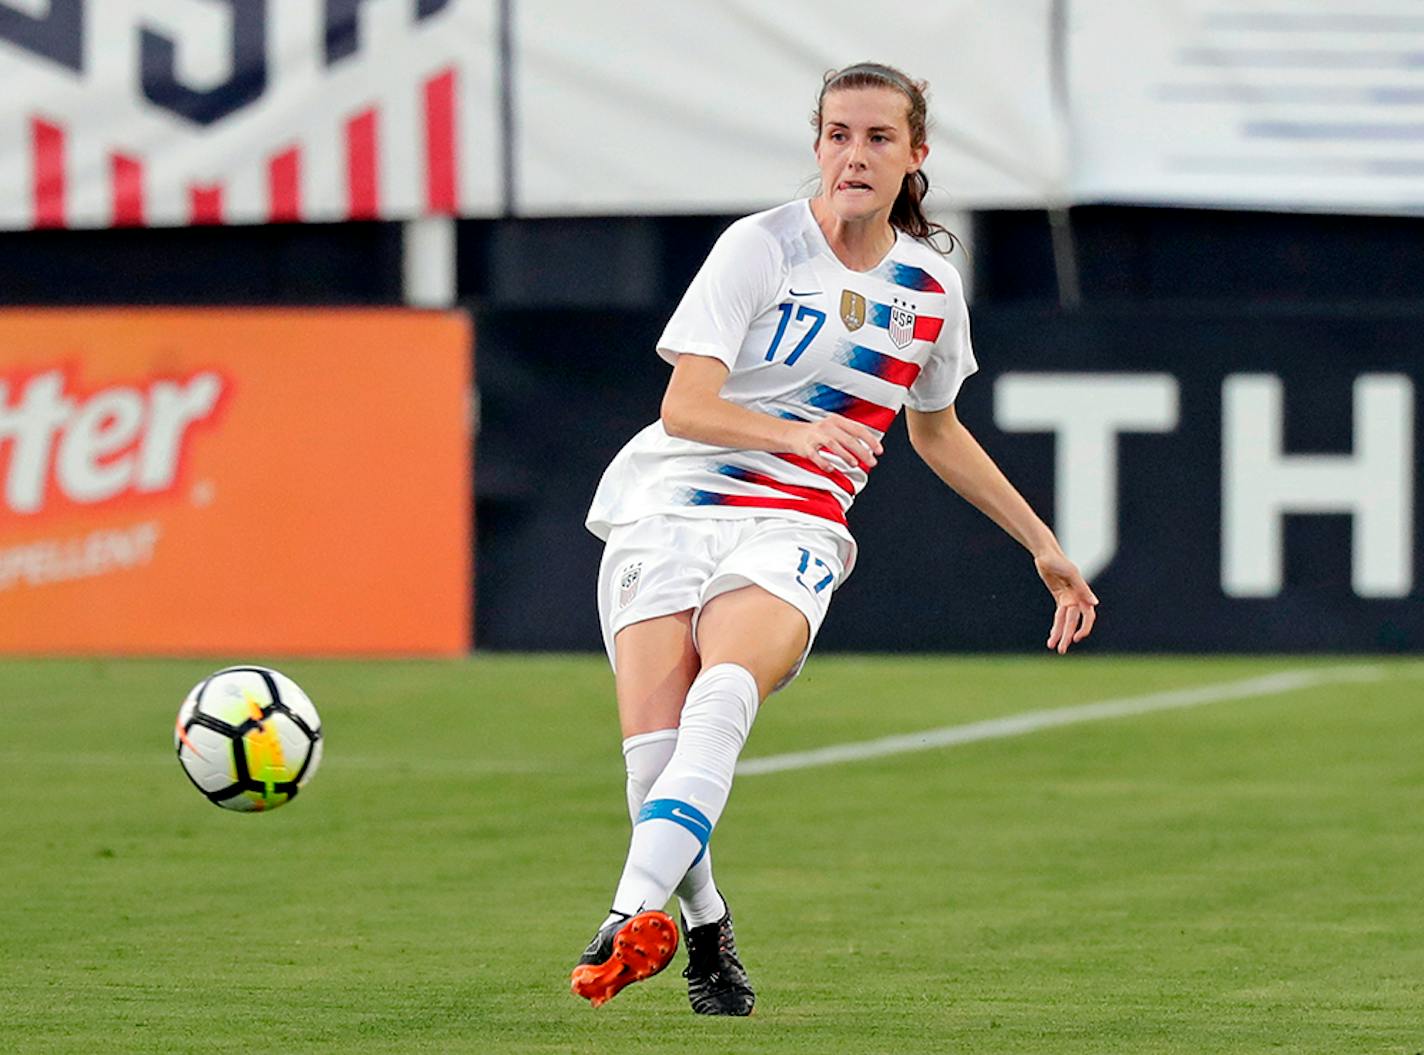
column 623, row 952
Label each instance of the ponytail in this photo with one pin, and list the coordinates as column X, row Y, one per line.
column 908, row 214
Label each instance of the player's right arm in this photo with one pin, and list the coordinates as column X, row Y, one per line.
column 693, row 409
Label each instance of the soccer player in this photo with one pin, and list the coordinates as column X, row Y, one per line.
column 806, row 330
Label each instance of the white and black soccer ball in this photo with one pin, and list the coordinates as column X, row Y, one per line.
column 248, row 738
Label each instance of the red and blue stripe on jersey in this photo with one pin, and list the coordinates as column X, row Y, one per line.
column 819, row 500
column 814, row 499
column 909, row 277
column 811, row 500
column 877, row 364
column 834, row 401
column 840, row 479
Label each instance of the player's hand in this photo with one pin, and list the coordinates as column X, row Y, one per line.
column 1076, row 610
column 833, row 435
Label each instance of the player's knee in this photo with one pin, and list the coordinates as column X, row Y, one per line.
column 722, row 704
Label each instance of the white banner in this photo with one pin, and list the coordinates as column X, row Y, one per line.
column 170, row 112
column 1279, row 104
column 161, row 112
column 705, row 106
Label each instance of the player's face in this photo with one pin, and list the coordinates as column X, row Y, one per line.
column 864, row 150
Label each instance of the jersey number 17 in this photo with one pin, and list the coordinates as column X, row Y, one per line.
column 805, row 311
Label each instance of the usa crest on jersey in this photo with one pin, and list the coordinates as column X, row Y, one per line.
column 902, row 325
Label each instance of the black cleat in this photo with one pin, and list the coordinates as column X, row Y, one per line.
column 717, row 983
column 625, row 951
column 601, row 946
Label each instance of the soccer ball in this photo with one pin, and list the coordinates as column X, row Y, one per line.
column 248, row 738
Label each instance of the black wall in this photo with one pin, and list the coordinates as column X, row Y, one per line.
column 350, row 263
column 933, row 573
column 1139, row 254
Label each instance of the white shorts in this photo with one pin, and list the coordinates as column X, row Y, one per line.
column 665, row 564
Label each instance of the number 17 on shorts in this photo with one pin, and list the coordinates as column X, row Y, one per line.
column 812, row 572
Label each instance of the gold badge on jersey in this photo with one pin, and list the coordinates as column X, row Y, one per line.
column 852, row 309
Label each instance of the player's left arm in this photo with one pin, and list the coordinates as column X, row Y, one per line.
column 947, row 447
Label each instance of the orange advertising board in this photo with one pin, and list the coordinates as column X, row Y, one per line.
column 255, row 481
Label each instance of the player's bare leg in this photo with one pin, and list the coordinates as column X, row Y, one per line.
column 656, row 664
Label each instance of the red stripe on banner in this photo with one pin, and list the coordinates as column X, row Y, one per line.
column 927, row 327
column 840, row 479
column 47, row 142
column 824, row 506
column 440, row 143
column 867, row 413
column 362, row 192
column 284, row 186
column 126, row 180
column 205, row 203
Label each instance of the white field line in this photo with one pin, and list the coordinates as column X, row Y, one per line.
column 1033, row 721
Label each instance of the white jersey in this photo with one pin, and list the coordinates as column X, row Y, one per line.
column 803, row 336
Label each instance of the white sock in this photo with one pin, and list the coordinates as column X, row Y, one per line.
column 686, row 801
column 645, row 756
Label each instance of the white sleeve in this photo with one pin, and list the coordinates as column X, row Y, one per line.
column 950, row 362
column 738, row 281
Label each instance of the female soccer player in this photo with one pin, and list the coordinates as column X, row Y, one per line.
column 805, row 331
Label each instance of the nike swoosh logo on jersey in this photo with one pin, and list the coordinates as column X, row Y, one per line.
column 806, row 293
column 695, row 822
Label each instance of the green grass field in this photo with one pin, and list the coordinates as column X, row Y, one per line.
column 1244, row 876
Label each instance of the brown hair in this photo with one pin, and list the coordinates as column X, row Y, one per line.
column 907, row 214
